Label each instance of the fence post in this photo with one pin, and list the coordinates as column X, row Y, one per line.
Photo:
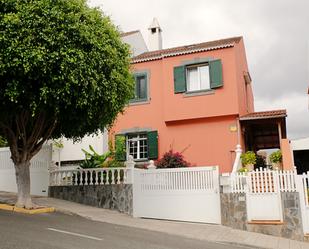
column 130, row 164
column 151, row 165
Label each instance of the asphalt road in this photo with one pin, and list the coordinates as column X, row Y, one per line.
column 59, row 231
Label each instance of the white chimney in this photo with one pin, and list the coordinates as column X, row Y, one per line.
column 155, row 36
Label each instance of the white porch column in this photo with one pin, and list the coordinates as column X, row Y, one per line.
column 237, row 164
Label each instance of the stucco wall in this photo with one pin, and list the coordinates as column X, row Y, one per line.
column 199, row 125
column 116, row 197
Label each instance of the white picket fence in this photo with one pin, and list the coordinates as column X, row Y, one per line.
column 95, row 176
column 38, row 171
column 263, row 181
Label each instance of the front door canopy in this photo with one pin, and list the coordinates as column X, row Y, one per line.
column 263, row 130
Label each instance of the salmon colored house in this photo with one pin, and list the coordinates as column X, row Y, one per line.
column 198, row 100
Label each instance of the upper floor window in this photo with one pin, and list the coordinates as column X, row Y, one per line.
column 199, row 77
column 141, row 87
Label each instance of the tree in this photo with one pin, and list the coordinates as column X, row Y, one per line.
column 63, row 72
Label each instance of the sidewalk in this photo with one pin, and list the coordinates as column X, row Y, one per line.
column 214, row 233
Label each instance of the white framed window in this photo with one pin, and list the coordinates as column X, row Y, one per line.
column 137, row 146
column 198, row 78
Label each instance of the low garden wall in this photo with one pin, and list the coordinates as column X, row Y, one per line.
column 115, row 196
column 234, row 214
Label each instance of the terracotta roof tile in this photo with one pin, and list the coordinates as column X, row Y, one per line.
column 264, row 115
column 199, row 47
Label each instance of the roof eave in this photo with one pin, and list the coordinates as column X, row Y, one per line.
column 257, row 118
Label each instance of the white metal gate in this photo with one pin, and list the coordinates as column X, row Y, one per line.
column 263, row 189
column 263, row 196
column 185, row 194
column 38, row 171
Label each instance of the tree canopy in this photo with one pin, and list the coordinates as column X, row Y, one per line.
column 63, row 70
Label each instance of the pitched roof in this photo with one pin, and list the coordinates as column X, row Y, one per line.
column 129, row 33
column 264, row 115
column 193, row 48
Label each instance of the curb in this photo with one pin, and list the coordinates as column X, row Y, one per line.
column 27, row 211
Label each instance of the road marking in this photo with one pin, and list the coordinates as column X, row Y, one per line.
column 74, row 234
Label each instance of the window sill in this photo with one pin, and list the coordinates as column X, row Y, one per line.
column 139, row 102
column 198, row 93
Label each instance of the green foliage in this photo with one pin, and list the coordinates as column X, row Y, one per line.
column 243, row 170
column 58, row 143
column 172, row 159
column 93, row 159
column 113, row 163
column 3, row 142
column 63, row 66
column 120, row 145
column 276, row 157
column 248, row 158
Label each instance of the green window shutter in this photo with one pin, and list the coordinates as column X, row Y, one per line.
column 120, row 147
column 152, row 144
column 215, row 73
column 180, row 79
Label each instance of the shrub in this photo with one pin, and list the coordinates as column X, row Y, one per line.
column 243, row 170
column 276, row 157
column 93, row 159
column 113, row 163
column 172, row 159
column 248, row 158
column 260, row 162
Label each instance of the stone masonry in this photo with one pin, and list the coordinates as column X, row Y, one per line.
column 116, row 197
column 234, row 214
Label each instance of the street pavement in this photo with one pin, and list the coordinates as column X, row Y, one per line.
column 63, row 231
column 220, row 235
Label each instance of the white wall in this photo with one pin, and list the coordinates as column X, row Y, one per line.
column 39, row 173
column 300, row 144
column 73, row 151
column 136, row 42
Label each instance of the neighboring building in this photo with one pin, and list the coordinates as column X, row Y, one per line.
column 300, row 148
column 136, row 42
column 196, row 99
column 71, row 153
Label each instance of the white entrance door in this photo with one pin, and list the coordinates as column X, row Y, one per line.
column 184, row 194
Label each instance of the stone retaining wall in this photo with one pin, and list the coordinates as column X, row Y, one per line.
column 116, row 197
column 234, row 214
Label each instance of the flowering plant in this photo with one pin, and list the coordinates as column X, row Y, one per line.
column 172, row 159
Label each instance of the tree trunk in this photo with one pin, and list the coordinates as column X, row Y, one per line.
column 22, row 171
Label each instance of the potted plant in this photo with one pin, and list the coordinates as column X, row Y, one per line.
column 248, row 160
column 276, row 159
